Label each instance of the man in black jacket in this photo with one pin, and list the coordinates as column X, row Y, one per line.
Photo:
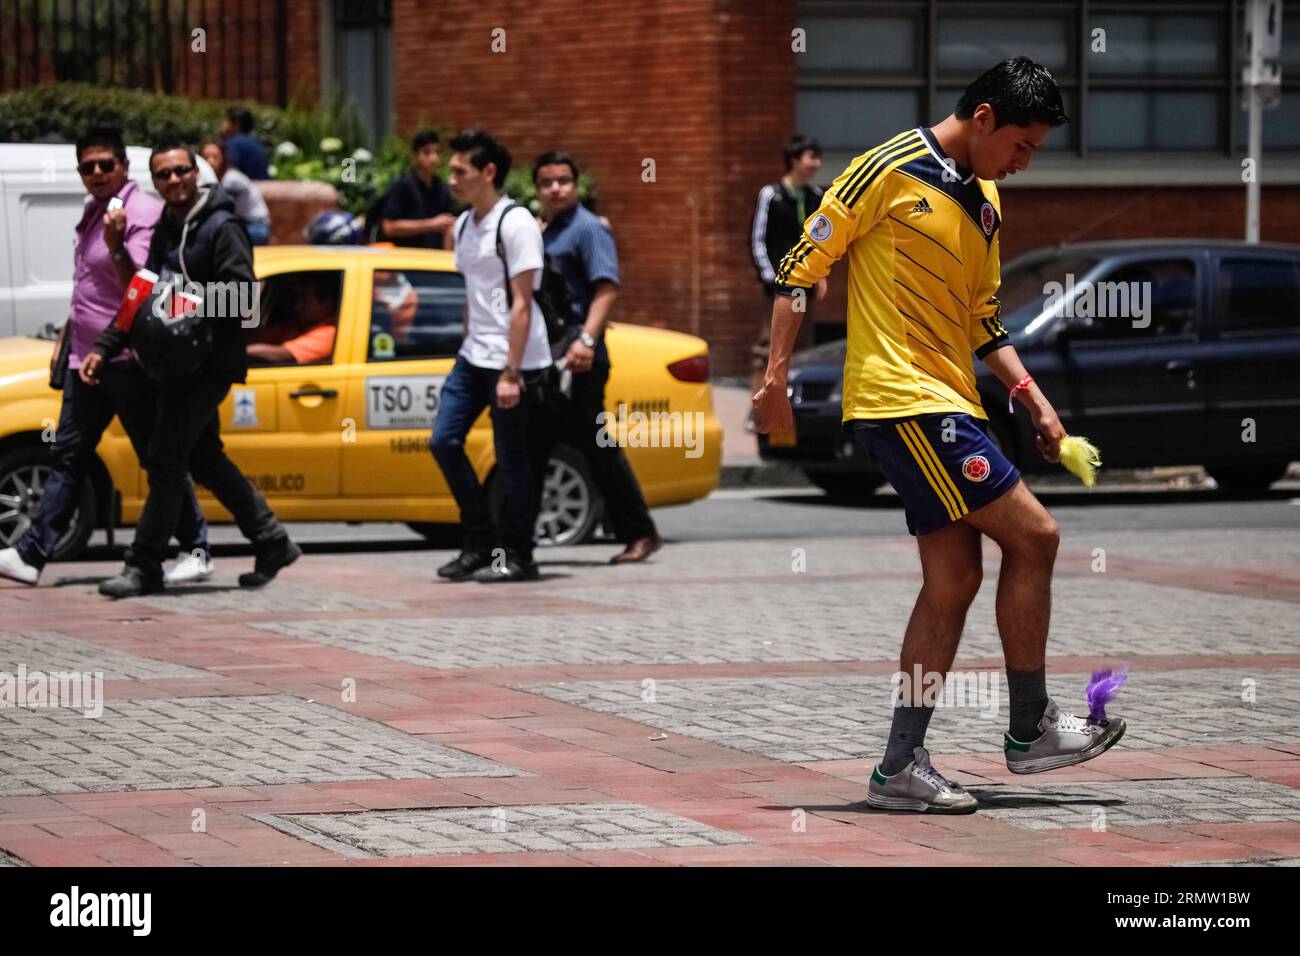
column 197, row 237
column 782, row 209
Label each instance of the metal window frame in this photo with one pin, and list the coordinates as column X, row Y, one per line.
column 1079, row 15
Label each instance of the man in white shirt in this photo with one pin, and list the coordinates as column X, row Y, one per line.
column 500, row 364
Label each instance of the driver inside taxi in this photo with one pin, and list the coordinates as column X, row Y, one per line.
column 304, row 336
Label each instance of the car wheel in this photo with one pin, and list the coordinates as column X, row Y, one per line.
column 1246, row 480
column 570, row 508
column 23, row 473
column 843, row 485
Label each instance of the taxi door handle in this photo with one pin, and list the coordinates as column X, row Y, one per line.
column 314, row 393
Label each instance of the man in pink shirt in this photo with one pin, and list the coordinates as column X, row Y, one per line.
column 112, row 241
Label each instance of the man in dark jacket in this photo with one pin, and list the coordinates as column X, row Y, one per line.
column 199, row 238
column 782, row 209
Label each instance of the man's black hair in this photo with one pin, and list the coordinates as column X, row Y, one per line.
column 166, row 146
column 423, row 138
column 1020, row 91
column 483, row 149
column 242, row 119
column 103, row 137
column 555, row 157
column 798, row 145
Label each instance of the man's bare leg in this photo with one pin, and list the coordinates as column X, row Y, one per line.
column 951, row 568
column 1028, row 537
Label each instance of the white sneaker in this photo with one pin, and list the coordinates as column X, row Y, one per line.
column 12, row 566
column 195, row 566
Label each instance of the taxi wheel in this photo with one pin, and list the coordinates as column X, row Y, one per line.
column 570, row 508
column 23, row 473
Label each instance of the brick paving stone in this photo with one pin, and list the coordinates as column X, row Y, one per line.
column 213, row 742
column 800, row 719
column 225, row 597
column 804, row 619
column 1136, row 803
column 49, row 652
column 513, row 829
column 1252, row 861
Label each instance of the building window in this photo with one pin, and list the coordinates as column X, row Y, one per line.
column 363, row 61
column 1168, row 78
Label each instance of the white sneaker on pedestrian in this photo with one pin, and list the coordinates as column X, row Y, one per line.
column 12, row 566
column 195, row 566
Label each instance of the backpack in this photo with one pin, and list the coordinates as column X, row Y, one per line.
column 552, row 296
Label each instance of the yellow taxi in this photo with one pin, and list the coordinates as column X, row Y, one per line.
column 345, row 438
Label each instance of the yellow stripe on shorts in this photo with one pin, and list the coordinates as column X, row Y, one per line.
column 926, row 469
column 927, row 448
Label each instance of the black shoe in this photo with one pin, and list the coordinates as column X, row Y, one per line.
column 464, row 565
column 515, row 568
column 132, row 582
column 279, row 554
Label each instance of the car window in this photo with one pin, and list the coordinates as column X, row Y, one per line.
column 1026, row 286
column 1258, row 295
column 415, row 314
column 298, row 319
column 1141, row 300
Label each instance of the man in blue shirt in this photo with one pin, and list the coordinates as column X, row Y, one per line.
column 579, row 245
column 243, row 151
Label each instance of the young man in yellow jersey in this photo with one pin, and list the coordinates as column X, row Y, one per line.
column 917, row 218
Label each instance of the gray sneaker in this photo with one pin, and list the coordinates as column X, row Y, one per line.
column 1065, row 741
column 919, row 787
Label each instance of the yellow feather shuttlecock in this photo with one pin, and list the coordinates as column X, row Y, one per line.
column 1081, row 458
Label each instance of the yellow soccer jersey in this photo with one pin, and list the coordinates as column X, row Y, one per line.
column 922, row 242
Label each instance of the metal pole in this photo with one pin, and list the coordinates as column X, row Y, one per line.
column 1256, row 135
column 1256, row 151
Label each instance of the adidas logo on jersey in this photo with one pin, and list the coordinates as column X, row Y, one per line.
column 922, row 206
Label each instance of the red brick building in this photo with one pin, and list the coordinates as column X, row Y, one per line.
column 680, row 107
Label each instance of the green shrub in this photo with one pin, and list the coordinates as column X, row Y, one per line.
column 323, row 143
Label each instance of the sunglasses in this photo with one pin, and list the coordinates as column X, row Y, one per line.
column 92, row 165
column 162, row 175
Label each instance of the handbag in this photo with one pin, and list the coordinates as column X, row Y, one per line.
column 59, row 367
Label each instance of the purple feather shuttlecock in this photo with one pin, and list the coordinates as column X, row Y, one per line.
column 1103, row 687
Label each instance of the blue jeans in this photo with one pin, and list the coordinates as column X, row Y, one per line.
column 467, row 391
column 123, row 390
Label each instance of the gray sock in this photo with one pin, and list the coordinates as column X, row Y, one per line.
column 1028, row 692
column 906, row 734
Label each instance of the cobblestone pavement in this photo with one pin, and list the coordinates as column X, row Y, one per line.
column 723, row 704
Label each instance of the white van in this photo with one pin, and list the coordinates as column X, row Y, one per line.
column 41, row 202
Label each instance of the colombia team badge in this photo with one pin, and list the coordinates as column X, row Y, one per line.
column 975, row 468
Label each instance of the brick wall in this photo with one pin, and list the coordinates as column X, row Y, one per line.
column 1041, row 217
column 701, row 88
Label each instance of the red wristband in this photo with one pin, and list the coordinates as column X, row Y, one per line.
column 1020, row 386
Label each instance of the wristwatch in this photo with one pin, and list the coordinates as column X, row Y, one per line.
column 512, row 375
column 587, row 340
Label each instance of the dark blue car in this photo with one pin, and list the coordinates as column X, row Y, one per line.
column 1162, row 352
